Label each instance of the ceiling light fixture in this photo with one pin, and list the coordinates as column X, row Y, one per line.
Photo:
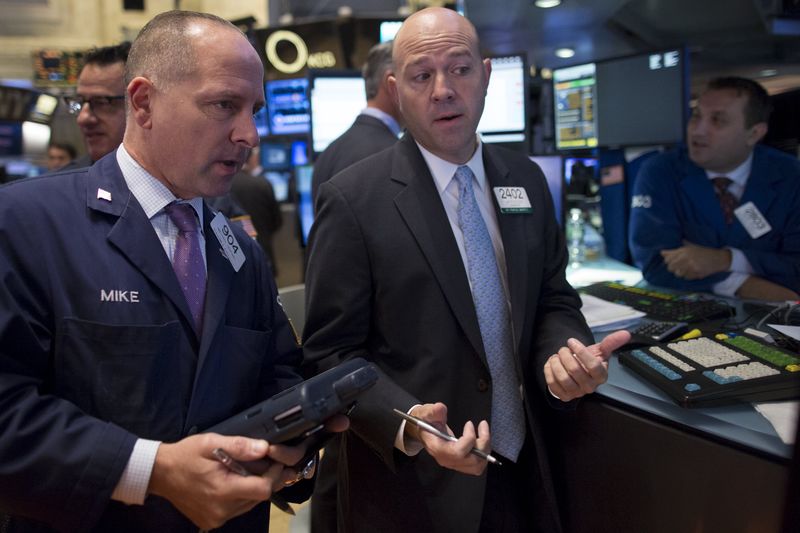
column 545, row 4
column 565, row 53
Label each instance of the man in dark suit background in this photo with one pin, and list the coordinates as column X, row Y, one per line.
column 141, row 326
column 376, row 128
column 459, row 297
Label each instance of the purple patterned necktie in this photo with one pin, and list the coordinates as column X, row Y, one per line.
column 188, row 260
column 727, row 201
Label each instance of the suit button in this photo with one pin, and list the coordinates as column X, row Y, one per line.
column 483, row 385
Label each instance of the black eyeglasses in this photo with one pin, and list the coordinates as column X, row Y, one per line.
column 99, row 104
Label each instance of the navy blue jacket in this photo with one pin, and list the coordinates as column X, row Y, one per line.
column 675, row 201
column 97, row 348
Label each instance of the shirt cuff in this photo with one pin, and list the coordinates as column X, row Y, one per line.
column 132, row 486
column 729, row 285
column 410, row 447
column 739, row 262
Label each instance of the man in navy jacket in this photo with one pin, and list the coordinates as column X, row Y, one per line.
column 680, row 235
column 105, row 375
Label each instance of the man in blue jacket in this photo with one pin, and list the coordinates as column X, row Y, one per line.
column 723, row 214
column 132, row 318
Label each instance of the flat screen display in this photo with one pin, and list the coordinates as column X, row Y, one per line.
column 639, row 100
column 305, row 207
column 275, row 156
column 504, row 116
column 336, row 101
column 574, row 90
column 552, row 166
column 280, row 184
column 287, row 106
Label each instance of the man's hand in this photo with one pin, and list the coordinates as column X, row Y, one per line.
column 453, row 455
column 577, row 370
column 206, row 492
column 756, row 288
column 691, row 261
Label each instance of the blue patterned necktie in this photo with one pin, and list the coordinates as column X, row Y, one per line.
column 494, row 320
column 188, row 260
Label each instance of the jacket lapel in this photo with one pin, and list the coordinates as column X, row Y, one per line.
column 758, row 190
column 133, row 233
column 701, row 195
column 422, row 210
column 220, row 277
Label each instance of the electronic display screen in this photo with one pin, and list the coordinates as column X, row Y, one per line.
column 639, row 100
column 305, row 206
column 336, row 101
column 280, row 184
column 552, row 166
column 287, row 106
column 574, row 90
column 275, row 156
column 504, row 116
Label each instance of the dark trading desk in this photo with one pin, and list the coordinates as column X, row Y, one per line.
column 631, row 460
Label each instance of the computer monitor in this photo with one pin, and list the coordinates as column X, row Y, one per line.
column 642, row 100
column 552, row 166
column 287, row 106
column 504, row 116
column 305, row 205
column 299, row 152
column 574, row 95
column 579, row 175
column 261, row 120
column 280, row 184
column 388, row 29
column 639, row 100
column 275, row 156
column 336, row 100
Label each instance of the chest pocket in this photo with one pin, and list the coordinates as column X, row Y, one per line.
column 134, row 376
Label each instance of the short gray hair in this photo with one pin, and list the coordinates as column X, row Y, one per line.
column 379, row 60
column 163, row 51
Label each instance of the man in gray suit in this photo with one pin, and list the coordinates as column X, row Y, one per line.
column 376, row 128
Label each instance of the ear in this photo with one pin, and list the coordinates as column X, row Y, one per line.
column 391, row 86
column 487, row 67
column 756, row 133
column 140, row 95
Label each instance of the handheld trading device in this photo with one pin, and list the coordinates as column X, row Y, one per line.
column 301, row 411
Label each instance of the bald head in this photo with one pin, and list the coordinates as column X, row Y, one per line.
column 432, row 24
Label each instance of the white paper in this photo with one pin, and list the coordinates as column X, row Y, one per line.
column 789, row 331
column 599, row 312
column 782, row 416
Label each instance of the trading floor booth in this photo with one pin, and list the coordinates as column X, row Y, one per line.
column 630, row 459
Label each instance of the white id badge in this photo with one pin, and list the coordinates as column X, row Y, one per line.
column 752, row 220
column 512, row 200
column 230, row 246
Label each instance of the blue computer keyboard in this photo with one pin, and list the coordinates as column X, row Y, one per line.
column 708, row 371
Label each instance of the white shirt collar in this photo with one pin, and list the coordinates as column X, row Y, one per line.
column 384, row 117
column 443, row 171
column 151, row 194
column 738, row 175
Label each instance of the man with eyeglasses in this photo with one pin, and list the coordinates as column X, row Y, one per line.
column 99, row 103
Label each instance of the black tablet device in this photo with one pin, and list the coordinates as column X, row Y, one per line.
column 301, row 410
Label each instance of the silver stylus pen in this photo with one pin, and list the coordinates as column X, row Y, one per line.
column 421, row 424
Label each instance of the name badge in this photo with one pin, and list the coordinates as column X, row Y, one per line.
column 230, row 246
column 752, row 220
column 512, row 200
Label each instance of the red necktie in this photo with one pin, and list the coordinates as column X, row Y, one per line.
column 727, row 201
